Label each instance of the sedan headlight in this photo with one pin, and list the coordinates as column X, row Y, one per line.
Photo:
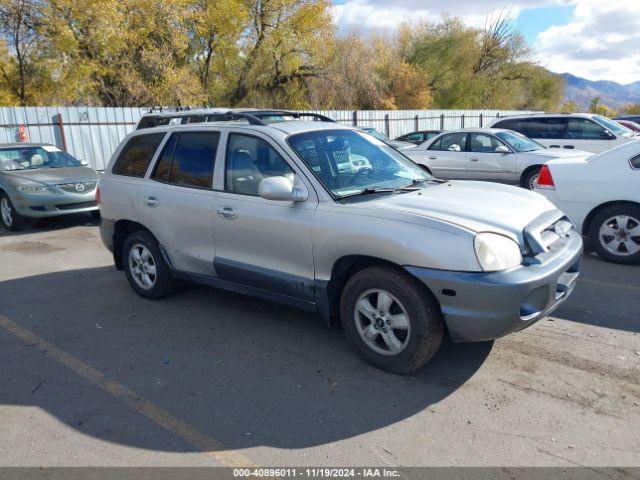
column 35, row 189
column 496, row 252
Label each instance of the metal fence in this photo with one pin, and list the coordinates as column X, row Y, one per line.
column 93, row 133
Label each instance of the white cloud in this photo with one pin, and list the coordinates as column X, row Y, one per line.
column 601, row 41
column 363, row 15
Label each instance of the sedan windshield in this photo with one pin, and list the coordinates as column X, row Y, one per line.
column 349, row 162
column 35, row 158
column 519, row 142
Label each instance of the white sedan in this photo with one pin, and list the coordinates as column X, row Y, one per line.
column 601, row 196
column 486, row 154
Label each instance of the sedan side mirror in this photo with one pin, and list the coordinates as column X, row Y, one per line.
column 502, row 149
column 281, row 188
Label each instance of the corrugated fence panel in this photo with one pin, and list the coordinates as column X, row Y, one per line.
column 93, row 133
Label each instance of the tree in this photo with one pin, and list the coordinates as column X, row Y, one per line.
column 570, row 107
column 19, row 23
column 600, row 108
column 632, row 109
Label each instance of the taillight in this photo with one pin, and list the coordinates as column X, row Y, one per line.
column 98, row 196
column 545, row 180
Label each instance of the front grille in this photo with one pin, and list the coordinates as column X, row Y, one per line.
column 79, row 187
column 75, row 206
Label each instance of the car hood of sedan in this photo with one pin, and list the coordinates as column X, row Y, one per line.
column 476, row 206
column 52, row 176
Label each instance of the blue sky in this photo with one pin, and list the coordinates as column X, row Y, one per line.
column 594, row 39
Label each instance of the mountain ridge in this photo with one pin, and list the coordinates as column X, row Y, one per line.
column 613, row 94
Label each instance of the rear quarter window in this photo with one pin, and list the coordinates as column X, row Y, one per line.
column 135, row 157
column 635, row 162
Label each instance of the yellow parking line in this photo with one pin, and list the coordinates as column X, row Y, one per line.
column 608, row 284
column 162, row 417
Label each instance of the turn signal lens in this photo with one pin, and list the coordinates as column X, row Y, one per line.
column 98, row 196
column 545, row 180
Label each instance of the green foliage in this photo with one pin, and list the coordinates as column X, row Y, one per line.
column 600, row 108
column 632, row 109
column 271, row 53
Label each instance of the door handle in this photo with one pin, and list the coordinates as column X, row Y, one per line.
column 432, row 157
column 569, row 146
column 151, row 201
column 227, row 213
column 474, row 159
column 554, row 146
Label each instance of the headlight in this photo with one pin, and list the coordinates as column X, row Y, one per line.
column 36, row 189
column 496, row 252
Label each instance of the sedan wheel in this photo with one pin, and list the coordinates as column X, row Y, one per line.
column 620, row 235
column 11, row 220
column 614, row 233
column 5, row 210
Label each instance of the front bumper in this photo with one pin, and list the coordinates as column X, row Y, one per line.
column 39, row 206
column 481, row 306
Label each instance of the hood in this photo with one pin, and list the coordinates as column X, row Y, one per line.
column 400, row 145
column 476, row 206
column 52, row 176
column 559, row 153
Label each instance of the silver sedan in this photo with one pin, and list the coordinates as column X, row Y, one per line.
column 40, row 180
column 490, row 154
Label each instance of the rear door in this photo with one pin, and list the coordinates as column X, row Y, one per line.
column 487, row 164
column 447, row 156
column 176, row 200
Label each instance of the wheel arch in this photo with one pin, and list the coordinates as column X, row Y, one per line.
column 343, row 269
column 122, row 229
column 590, row 216
column 526, row 172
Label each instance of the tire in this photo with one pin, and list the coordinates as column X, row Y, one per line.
column 418, row 343
column 530, row 178
column 144, row 247
column 614, row 234
column 10, row 219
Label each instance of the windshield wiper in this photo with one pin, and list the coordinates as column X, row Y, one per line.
column 369, row 191
column 419, row 181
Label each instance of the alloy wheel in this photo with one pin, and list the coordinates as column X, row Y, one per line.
column 382, row 322
column 620, row 235
column 142, row 266
column 5, row 211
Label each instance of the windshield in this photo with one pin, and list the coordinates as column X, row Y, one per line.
column 375, row 133
column 349, row 162
column 519, row 142
column 614, row 127
column 34, row 158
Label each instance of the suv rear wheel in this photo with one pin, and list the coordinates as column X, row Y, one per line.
column 145, row 267
column 392, row 321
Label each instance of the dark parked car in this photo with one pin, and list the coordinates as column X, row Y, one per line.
column 419, row 137
column 632, row 118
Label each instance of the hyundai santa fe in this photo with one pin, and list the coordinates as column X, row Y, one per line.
column 396, row 255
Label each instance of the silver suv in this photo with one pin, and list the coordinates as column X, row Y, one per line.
column 398, row 256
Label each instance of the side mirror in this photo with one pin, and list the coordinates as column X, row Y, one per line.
column 607, row 135
column 84, row 163
column 281, row 188
column 502, row 149
column 454, row 147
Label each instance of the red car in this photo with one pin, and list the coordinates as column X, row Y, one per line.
column 629, row 124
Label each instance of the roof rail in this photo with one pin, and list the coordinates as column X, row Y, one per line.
column 317, row 116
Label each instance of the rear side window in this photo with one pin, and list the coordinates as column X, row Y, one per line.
column 545, row 127
column 635, row 162
column 453, row 142
column 188, row 159
column 136, row 155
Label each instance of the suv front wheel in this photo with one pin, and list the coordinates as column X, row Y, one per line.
column 393, row 322
column 145, row 267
